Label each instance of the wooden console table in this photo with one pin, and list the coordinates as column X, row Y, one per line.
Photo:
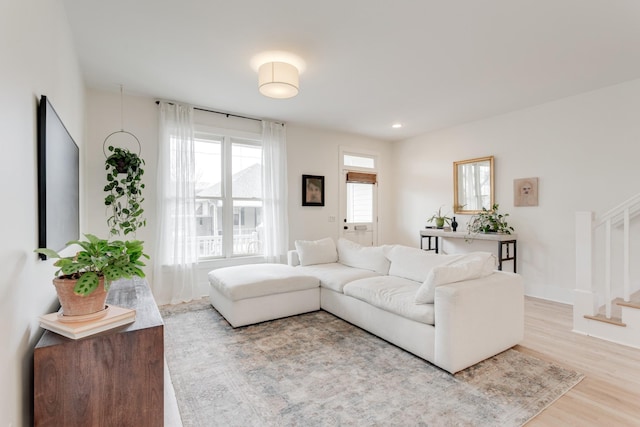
column 507, row 243
column 115, row 378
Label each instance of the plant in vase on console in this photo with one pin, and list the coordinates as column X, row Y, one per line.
column 439, row 218
column 82, row 280
column 489, row 221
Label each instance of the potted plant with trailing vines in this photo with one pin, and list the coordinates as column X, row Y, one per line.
column 489, row 221
column 124, row 185
column 82, row 280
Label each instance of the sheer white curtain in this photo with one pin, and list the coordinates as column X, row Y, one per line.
column 175, row 266
column 274, row 181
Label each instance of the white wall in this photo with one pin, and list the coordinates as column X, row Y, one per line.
column 38, row 58
column 584, row 149
column 317, row 152
column 309, row 151
column 572, row 145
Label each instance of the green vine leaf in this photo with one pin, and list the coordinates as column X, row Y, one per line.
column 125, row 191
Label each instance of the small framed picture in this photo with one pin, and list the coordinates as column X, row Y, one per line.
column 312, row 190
column 525, row 192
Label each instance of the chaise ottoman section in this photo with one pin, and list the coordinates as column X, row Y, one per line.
column 253, row 293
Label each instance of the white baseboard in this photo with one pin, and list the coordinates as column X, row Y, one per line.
column 551, row 293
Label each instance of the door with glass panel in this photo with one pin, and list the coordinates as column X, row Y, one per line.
column 359, row 196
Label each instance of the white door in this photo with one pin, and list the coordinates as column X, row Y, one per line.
column 358, row 199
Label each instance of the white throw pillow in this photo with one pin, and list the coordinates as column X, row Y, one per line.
column 471, row 266
column 312, row 252
column 413, row 263
column 355, row 255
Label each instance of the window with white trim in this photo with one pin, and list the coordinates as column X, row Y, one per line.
column 359, row 201
column 228, row 196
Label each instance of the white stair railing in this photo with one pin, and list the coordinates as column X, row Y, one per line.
column 627, row 265
column 616, row 214
column 586, row 227
column 607, row 268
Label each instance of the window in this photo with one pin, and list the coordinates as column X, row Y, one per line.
column 359, row 202
column 228, row 196
column 359, row 161
column 360, row 186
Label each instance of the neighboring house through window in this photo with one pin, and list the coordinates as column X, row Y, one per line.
column 228, row 195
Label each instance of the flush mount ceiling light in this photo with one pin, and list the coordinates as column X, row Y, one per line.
column 278, row 80
column 278, row 72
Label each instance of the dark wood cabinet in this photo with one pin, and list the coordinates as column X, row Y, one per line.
column 115, row 378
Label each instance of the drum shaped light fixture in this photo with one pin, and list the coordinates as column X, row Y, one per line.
column 278, row 80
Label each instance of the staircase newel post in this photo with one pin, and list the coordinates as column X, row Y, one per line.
column 626, row 259
column 585, row 301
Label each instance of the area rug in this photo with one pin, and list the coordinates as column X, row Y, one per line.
column 318, row 370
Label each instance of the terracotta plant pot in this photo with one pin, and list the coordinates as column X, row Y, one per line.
column 79, row 305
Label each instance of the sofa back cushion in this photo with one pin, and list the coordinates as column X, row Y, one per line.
column 371, row 258
column 312, row 252
column 414, row 263
column 470, row 266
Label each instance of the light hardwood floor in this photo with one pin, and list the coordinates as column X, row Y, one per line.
column 609, row 395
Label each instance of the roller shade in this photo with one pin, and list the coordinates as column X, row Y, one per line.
column 361, row 177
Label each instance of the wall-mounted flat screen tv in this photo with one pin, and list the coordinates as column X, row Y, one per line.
column 58, row 181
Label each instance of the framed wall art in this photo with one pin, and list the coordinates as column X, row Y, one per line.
column 312, row 190
column 525, row 192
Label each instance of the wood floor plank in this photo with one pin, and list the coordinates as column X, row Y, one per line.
column 610, row 393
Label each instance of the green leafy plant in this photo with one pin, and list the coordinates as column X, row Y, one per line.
column 489, row 221
column 124, row 185
column 439, row 218
column 98, row 258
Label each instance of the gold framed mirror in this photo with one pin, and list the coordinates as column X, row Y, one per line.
column 473, row 185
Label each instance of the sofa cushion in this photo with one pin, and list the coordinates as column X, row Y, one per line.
column 256, row 280
column 471, row 266
column 365, row 257
column 414, row 263
column 313, row 252
column 392, row 294
column 335, row 275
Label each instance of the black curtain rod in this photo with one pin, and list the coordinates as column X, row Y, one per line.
column 219, row 112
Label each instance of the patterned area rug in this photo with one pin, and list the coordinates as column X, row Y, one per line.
column 317, row 370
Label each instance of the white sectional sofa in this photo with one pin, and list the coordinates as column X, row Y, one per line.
column 452, row 310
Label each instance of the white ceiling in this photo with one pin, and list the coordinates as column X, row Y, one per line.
column 427, row 64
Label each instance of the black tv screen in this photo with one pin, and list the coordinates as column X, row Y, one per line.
column 58, row 181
